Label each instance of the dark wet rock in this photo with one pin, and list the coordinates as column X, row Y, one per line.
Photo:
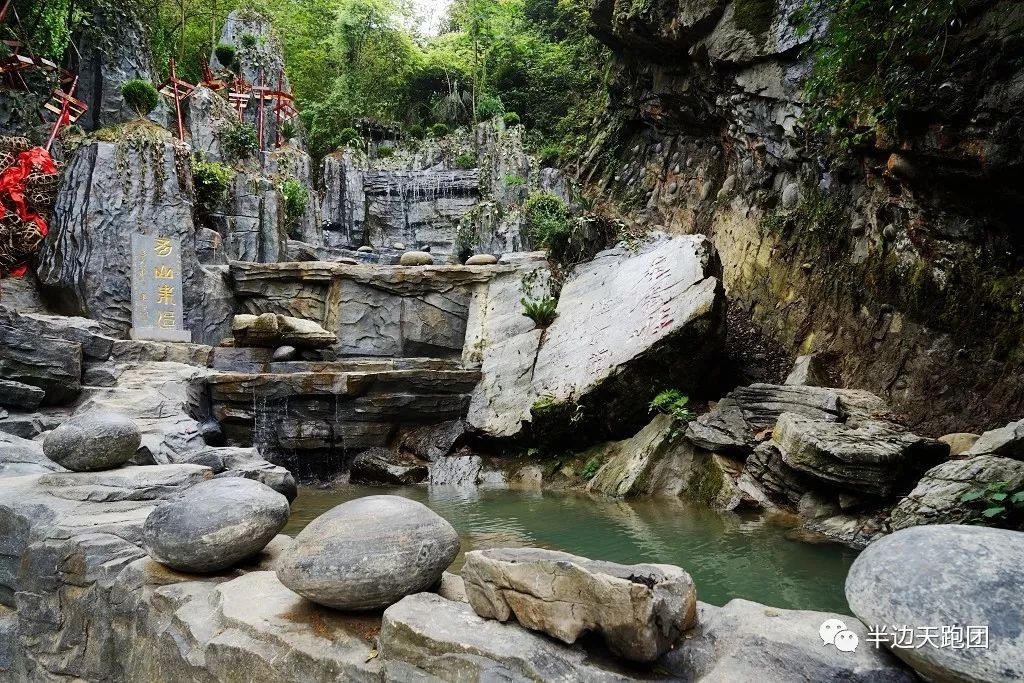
column 214, row 525
column 1007, row 442
column 639, row 610
column 866, row 456
column 369, row 553
column 426, row 637
column 770, row 481
column 435, row 441
column 746, row 641
column 17, row 395
column 382, row 466
column 51, row 364
column 936, row 498
column 93, row 440
column 947, row 575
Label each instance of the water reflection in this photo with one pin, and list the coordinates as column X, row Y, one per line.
column 729, row 555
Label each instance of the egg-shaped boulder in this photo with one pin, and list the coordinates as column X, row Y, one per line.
column 369, row 553
column 416, row 258
column 214, row 525
column 92, row 441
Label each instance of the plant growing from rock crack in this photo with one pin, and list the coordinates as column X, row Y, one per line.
column 385, row 151
column 239, row 141
column 547, row 220
column 438, row 130
column 540, row 311
column 996, row 505
column 466, row 161
column 249, row 41
column 140, row 96
column 591, row 468
column 295, row 199
column 673, row 403
column 511, row 119
column 289, row 131
column 225, row 54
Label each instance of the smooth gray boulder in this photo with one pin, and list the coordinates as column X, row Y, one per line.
column 747, row 641
column 639, row 610
column 947, row 575
column 369, row 553
column 214, row 525
column 425, row 637
column 416, row 258
column 874, row 457
column 481, row 260
column 94, row 440
column 381, row 466
column 1006, row 441
column 936, row 498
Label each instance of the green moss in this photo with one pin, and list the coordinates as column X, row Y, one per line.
column 707, row 483
column 755, row 16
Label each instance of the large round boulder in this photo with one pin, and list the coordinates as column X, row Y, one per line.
column 214, row 524
column 94, row 440
column 961, row 583
column 369, row 553
column 416, row 258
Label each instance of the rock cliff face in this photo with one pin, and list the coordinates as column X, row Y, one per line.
column 900, row 258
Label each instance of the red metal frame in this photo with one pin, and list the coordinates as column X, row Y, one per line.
column 210, row 80
column 67, row 108
column 178, row 90
column 239, row 96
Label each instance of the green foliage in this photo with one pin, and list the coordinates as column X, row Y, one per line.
column 876, row 60
column 140, row 96
column 295, row 199
column 996, row 505
column 438, row 130
column 225, row 54
column 239, row 141
column 249, row 41
column 348, row 136
column 755, row 16
column 511, row 119
column 591, row 468
column 489, row 106
column 385, row 152
column 672, row 402
column 550, row 154
column 548, row 223
column 289, row 131
column 513, row 180
column 210, row 180
column 540, row 311
column 417, row 132
column 465, row 161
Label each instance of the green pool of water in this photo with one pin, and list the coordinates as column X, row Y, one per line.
column 728, row 555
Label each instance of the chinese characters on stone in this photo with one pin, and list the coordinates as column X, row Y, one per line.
column 157, row 289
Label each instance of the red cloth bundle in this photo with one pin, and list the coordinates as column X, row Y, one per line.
column 13, row 182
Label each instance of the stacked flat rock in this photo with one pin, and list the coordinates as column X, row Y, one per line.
column 94, row 440
column 214, row 525
column 274, row 331
column 369, row 553
column 640, row 610
column 416, row 258
column 381, row 466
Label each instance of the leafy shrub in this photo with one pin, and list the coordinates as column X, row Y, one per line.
column 289, row 130
column 488, row 106
column 140, row 96
column 540, row 311
column 548, row 222
column 347, row 136
column 295, row 198
column 225, row 54
column 672, row 402
column 513, row 180
column 466, row 161
column 438, row 130
column 550, row 154
column 511, row 119
column 211, row 180
column 996, row 505
column 385, row 151
column 591, row 468
column 417, row 132
column 239, row 141
column 249, row 41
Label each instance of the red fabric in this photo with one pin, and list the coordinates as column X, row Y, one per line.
column 12, row 189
